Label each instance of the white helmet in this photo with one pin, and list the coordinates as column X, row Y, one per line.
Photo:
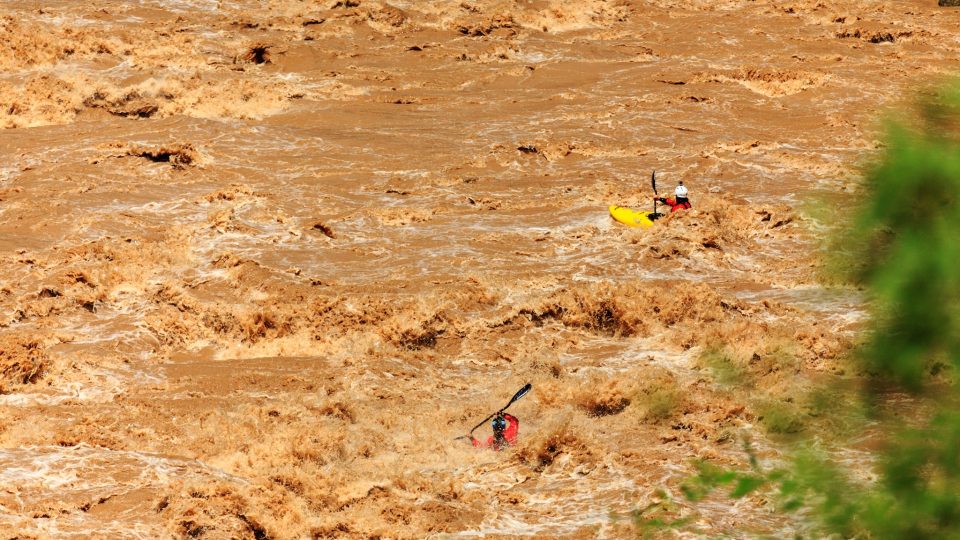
column 681, row 191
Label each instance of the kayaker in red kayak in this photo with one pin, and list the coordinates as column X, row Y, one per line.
column 506, row 427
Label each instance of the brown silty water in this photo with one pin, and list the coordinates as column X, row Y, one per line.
column 263, row 261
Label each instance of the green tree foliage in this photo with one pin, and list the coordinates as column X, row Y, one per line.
column 908, row 229
column 906, row 240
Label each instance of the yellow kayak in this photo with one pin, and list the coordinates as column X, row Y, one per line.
column 631, row 218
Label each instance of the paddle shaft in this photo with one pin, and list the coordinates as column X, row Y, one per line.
column 653, row 182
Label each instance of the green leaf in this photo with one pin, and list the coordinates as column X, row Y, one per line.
column 746, row 485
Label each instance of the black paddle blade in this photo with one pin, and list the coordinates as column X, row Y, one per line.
column 520, row 393
column 653, row 183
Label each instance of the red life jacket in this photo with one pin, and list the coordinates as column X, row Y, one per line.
column 677, row 204
column 509, row 433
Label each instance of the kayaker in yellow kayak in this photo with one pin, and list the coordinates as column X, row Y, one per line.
column 680, row 201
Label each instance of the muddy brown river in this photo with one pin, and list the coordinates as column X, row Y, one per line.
column 261, row 261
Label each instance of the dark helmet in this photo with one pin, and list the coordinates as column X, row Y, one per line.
column 499, row 423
